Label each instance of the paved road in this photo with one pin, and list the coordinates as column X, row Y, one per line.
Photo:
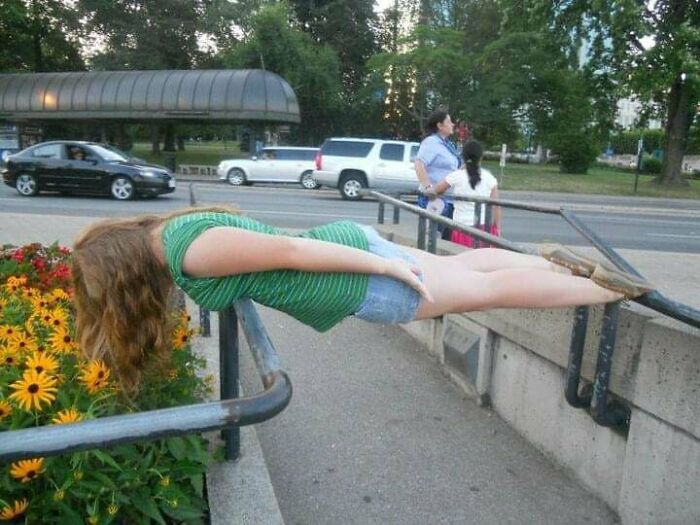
column 637, row 223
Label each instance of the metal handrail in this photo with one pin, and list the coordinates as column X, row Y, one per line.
column 52, row 440
column 604, row 410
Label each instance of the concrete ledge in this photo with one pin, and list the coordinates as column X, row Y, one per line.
column 516, row 360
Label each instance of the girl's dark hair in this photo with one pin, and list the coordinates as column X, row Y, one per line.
column 471, row 153
column 435, row 118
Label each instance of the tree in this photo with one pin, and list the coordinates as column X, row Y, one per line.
column 277, row 43
column 651, row 50
column 39, row 35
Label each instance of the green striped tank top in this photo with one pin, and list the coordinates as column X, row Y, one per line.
column 320, row 300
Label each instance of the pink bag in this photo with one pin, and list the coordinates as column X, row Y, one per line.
column 470, row 242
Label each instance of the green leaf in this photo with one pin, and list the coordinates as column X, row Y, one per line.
column 106, row 459
column 105, row 480
column 198, row 484
column 68, row 515
column 145, row 504
column 177, row 447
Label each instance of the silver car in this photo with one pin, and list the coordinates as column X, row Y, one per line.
column 275, row 164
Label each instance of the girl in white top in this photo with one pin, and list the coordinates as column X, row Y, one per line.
column 471, row 181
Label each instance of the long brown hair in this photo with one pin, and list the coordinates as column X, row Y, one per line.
column 122, row 294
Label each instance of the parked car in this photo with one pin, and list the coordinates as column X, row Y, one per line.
column 278, row 164
column 84, row 167
column 351, row 164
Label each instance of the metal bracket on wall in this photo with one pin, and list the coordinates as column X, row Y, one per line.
column 606, row 412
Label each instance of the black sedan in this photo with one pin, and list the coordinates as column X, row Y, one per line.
column 84, row 167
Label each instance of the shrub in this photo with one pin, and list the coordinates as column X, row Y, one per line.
column 44, row 380
column 576, row 152
column 651, row 165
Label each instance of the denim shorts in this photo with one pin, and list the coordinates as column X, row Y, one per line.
column 388, row 300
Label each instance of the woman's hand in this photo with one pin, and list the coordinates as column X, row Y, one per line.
column 408, row 273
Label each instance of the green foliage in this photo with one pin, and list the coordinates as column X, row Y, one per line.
column 158, row 480
column 625, row 142
column 651, row 165
column 576, row 152
column 276, row 44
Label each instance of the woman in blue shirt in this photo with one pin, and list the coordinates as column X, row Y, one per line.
column 437, row 157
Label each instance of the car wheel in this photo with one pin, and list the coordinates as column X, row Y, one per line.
column 308, row 182
column 351, row 186
column 236, row 177
column 27, row 184
column 122, row 188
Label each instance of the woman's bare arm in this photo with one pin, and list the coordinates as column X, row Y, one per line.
column 422, row 173
column 441, row 187
column 225, row 250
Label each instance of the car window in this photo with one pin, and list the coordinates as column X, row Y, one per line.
column 285, row 154
column 50, row 151
column 111, row 154
column 414, row 152
column 268, row 154
column 391, row 152
column 347, row 148
column 308, row 154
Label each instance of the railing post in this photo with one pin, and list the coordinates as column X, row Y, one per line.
column 204, row 322
column 380, row 215
column 421, row 233
column 432, row 236
column 604, row 412
column 573, row 369
column 396, row 214
column 228, row 370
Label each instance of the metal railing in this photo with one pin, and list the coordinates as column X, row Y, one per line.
column 605, row 411
column 230, row 413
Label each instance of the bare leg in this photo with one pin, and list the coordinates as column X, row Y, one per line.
column 456, row 288
column 493, row 259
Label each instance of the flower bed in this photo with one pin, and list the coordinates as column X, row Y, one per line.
column 45, row 381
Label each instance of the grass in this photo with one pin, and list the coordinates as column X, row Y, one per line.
column 524, row 177
column 599, row 180
column 207, row 153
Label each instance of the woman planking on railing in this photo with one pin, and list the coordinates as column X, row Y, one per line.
column 124, row 271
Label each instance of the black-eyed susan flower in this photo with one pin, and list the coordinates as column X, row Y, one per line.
column 181, row 336
column 30, row 293
column 9, row 357
column 20, row 341
column 112, row 509
column 62, row 342
column 42, row 362
column 58, row 318
column 95, row 376
column 5, row 409
column 69, row 415
column 34, row 389
column 8, row 330
column 60, row 294
column 27, row 469
column 40, row 302
column 10, row 512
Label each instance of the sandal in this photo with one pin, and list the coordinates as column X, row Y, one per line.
column 618, row 281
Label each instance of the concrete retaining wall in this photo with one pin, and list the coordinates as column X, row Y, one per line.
column 515, row 361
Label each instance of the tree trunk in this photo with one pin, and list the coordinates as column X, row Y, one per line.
column 677, row 127
column 181, row 143
column 155, row 139
column 169, row 139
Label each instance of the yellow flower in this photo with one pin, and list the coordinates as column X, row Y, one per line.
column 31, row 293
column 5, row 409
column 12, row 511
column 58, row 318
column 34, row 389
column 8, row 357
column 181, row 337
column 61, row 341
column 21, row 342
column 40, row 302
column 95, row 376
column 78, row 475
column 16, row 281
column 27, row 469
column 165, row 481
column 43, row 315
column 42, row 362
column 60, row 294
column 93, row 520
column 172, row 374
column 8, row 330
column 112, row 509
column 59, row 495
column 69, row 415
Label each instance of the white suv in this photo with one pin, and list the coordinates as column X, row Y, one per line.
column 352, row 164
column 278, row 164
